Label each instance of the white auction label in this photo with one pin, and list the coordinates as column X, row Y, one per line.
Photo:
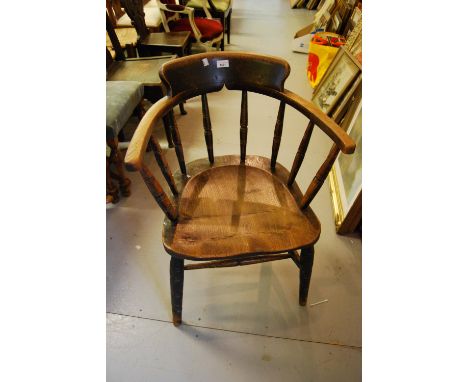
column 205, row 62
column 222, row 64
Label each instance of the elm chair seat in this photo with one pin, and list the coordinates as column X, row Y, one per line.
column 122, row 97
column 221, row 5
column 250, row 211
column 209, row 29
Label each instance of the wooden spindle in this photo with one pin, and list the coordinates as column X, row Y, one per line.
column 243, row 125
column 301, row 153
column 207, row 127
column 277, row 135
column 163, row 165
column 158, row 193
column 320, row 177
column 176, row 139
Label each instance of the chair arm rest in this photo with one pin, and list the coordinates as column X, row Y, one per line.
column 139, row 142
column 323, row 121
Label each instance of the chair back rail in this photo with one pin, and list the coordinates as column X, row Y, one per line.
column 243, row 125
column 207, row 127
column 277, row 134
column 200, row 74
column 163, row 165
column 158, row 193
column 301, row 151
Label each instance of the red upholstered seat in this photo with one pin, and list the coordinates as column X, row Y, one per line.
column 209, row 29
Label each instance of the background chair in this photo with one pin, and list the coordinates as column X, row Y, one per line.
column 144, row 70
column 122, row 99
column 120, row 18
column 206, row 32
column 219, row 9
column 234, row 210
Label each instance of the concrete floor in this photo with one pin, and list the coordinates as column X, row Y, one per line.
column 238, row 323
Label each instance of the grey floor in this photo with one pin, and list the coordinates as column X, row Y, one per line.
column 244, row 323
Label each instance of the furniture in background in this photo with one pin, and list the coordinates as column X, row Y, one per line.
column 204, row 31
column 178, row 43
column 122, row 99
column 120, row 19
column 233, row 210
column 144, row 70
column 219, row 9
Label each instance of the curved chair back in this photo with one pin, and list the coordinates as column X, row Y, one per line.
column 204, row 73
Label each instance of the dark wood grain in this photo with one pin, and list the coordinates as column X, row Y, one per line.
column 243, row 125
column 299, row 158
column 207, row 127
column 246, row 207
column 158, row 193
column 277, row 134
column 161, row 161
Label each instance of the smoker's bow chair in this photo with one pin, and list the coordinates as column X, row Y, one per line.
column 233, row 210
column 204, row 31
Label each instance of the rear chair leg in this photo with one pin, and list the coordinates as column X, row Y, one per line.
column 116, row 158
column 305, row 271
column 177, row 289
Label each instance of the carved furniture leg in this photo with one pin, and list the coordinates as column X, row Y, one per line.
column 177, row 289
column 116, row 158
column 305, row 271
column 112, row 192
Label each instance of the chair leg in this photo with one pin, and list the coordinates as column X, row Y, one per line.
column 116, row 158
column 177, row 289
column 182, row 109
column 305, row 271
column 112, row 192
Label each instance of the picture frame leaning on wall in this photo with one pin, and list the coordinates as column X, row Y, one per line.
column 337, row 81
column 346, row 175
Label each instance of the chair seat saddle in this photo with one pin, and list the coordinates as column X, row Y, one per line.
column 236, row 210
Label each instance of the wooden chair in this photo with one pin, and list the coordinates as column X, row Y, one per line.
column 123, row 98
column 143, row 69
column 120, row 19
column 205, row 31
column 219, row 9
column 233, row 210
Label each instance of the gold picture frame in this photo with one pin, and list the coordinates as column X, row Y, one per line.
column 346, row 175
column 337, row 80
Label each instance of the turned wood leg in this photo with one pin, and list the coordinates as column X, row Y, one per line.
column 182, row 109
column 167, row 130
column 116, row 158
column 305, row 271
column 177, row 289
column 112, row 192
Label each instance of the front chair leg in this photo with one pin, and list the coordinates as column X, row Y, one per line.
column 177, row 289
column 305, row 271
